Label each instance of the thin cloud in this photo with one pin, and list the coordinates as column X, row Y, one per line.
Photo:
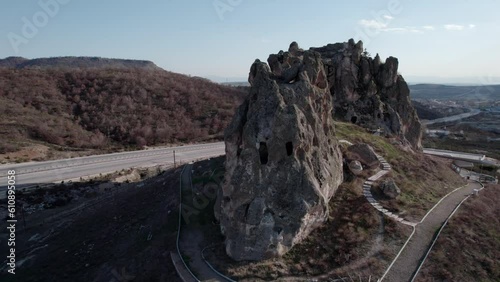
column 454, row 27
column 428, row 27
column 372, row 24
column 380, row 26
column 406, row 29
column 395, row 29
column 471, row 26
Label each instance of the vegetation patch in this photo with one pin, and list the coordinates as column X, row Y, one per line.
column 108, row 109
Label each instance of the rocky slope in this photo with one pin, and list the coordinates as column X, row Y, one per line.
column 283, row 162
column 369, row 92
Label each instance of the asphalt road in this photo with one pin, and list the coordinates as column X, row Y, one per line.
column 475, row 158
column 455, row 155
column 58, row 170
column 473, row 112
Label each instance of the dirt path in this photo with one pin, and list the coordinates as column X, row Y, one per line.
column 408, row 261
column 192, row 239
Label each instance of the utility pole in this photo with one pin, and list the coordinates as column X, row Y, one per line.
column 174, row 160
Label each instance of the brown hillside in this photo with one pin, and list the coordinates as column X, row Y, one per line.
column 102, row 108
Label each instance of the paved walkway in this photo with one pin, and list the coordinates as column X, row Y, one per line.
column 413, row 252
column 408, row 261
column 191, row 240
column 181, row 269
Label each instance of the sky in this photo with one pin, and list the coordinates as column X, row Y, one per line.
column 435, row 41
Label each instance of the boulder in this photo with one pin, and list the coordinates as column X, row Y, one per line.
column 369, row 92
column 363, row 153
column 132, row 176
column 283, row 161
column 355, row 167
column 389, row 188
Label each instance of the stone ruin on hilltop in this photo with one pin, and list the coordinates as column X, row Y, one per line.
column 283, row 162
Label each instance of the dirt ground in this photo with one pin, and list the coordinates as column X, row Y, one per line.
column 107, row 233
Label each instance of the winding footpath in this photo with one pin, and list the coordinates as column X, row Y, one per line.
column 181, row 267
column 189, row 240
column 405, row 266
column 407, row 262
column 412, row 255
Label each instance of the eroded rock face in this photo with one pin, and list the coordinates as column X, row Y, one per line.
column 370, row 93
column 283, row 163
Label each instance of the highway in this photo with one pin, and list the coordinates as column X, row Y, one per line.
column 473, row 112
column 58, row 170
column 455, row 155
column 474, row 158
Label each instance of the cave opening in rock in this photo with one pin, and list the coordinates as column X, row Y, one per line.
column 354, row 119
column 289, row 148
column 387, row 117
column 264, row 155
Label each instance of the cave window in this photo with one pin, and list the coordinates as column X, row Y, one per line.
column 264, row 155
column 278, row 230
column 289, row 148
column 354, row 119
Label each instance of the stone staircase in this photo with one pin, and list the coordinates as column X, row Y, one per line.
column 367, row 185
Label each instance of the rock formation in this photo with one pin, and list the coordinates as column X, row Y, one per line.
column 283, row 163
column 355, row 167
column 390, row 189
column 370, row 93
column 363, row 153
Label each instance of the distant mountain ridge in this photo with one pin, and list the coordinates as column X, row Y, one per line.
column 75, row 63
column 448, row 92
column 437, row 91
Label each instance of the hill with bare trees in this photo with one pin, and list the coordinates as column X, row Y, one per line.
column 94, row 103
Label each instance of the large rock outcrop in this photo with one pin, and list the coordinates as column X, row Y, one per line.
column 283, row 163
column 370, row 93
